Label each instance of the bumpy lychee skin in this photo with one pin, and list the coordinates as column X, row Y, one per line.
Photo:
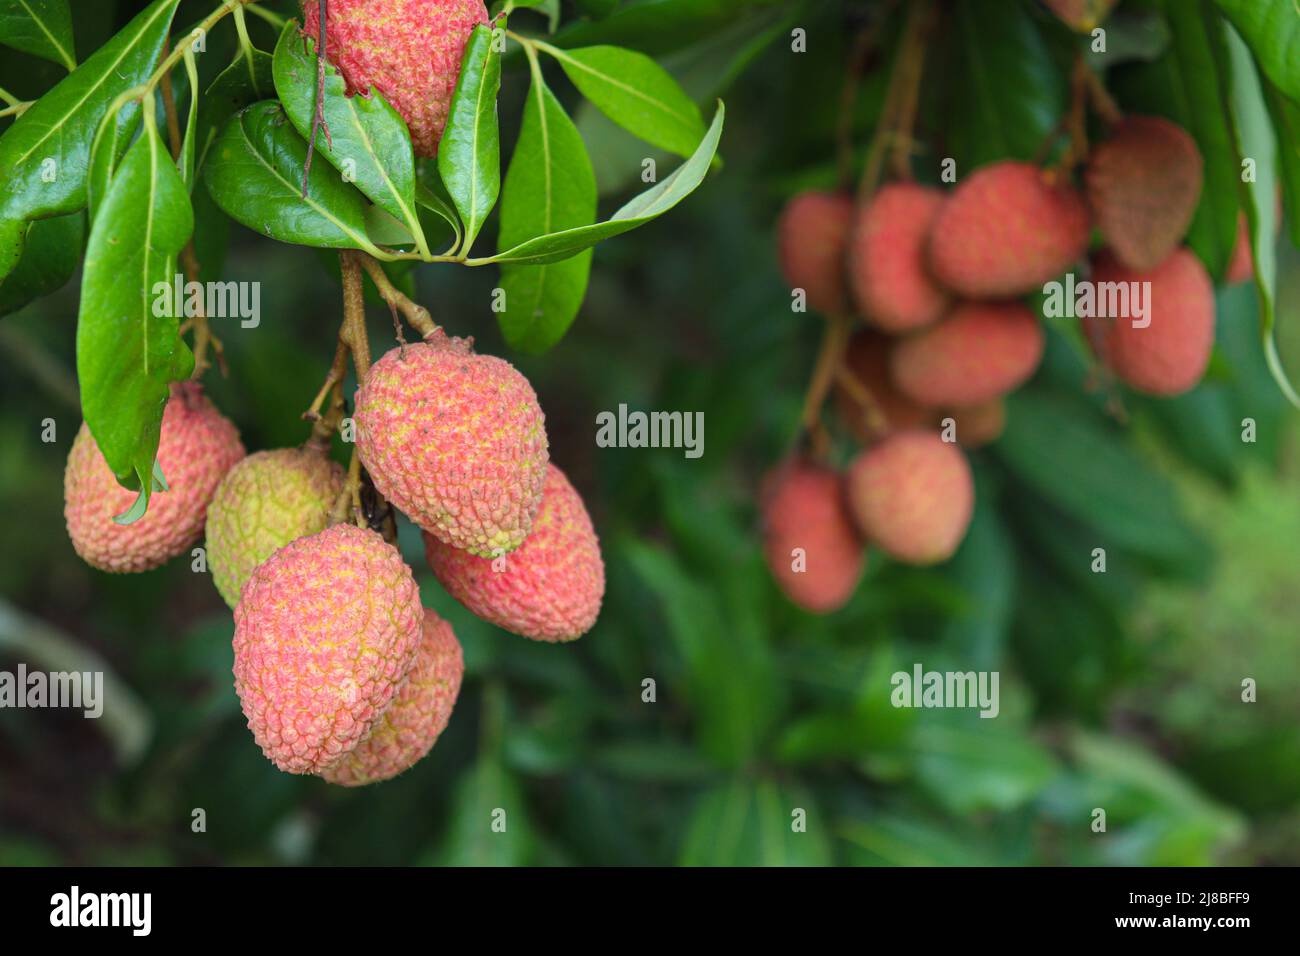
column 888, row 267
column 811, row 545
column 980, row 351
column 417, row 716
column 409, row 50
column 812, row 240
column 913, row 496
column 1168, row 356
column 979, row 425
column 872, row 406
column 325, row 634
column 550, row 588
column 456, row 441
column 1143, row 185
column 264, row 502
column 196, row 448
column 1006, row 230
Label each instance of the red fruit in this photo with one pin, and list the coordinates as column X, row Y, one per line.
column 982, row 350
column 867, row 361
column 811, row 545
column 913, row 495
column 1143, row 185
column 1241, row 267
column 1168, row 356
column 888, row 270
column 1006, row 230
column 812, row 236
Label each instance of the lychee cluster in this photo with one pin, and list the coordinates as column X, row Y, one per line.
column 939, row 280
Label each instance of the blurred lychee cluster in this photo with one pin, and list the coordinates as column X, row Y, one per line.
column 340, row 669
column 927, row 293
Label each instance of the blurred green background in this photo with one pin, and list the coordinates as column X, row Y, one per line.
column 1119, row 690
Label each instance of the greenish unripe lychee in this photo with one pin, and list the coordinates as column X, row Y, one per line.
column 264, row 502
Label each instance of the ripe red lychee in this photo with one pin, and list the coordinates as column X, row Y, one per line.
column 980, row 351
column 325, row 633
column 196, row 447
column 456, row 441
column 979, row 425
column 1169, row 355
column 811, row 545
column 417, row 716
column 1143, row 185
column 1006, row 230
column 548, row 589
column 409, row 50
column 888, row 268
column 264, row 502
column 869, row 403
column 812, row 238
column 913, row 495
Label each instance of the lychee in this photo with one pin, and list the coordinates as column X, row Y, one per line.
column 980, row 351
column 1143, row 185
column 325, row 633
column 196, row 447
column 456, row 441
column 1167, row 352
column 888, row 267
column 409, row 50
column 417, row 716
column 979, row 425
column 812, row 239
column 811, row 545
column 913, row 496
column 1006, row 230
column 869, row 403
column 264, row 502
column 550, row 588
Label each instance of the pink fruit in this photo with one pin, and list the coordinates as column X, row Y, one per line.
column 888, row 267
column 873, row 406
column 812, row 237
column 196, row 448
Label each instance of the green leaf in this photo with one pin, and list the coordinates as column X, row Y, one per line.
column 255, row 175
column 247, row 79
column 185, row 162
column 549, row 186
column 754, row 824
column 13, row 233
column 640, row 210
column 1186, row 85
column 126, row 354
column 46, row 153
column 487, row 799
column 1286, row 123
column 469, row 154
column 107, row 148
column 1065, row 451
column 40, row 27
column 968, row 765
column 635, row 92
column 1007, row 91
column 368, row 140
column 50, row 257
column 1256, row 141
column 1272, row 28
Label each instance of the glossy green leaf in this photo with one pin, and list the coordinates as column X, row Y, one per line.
column 254, row 174
column 13, row 233
column 46, row 153
column 469, row 154
column 40, row 27
column 127, row 354
column 641, row 209
column 635, row 92
column 50, row 256
column 1187, row 86
column 1286, row 123
column 549, row 187
column 1272, row 28
column 368, row 141
column 106, row 150
column 247, row 79
column 189, row 141
column 756, row 824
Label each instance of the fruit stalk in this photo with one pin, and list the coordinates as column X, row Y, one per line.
column 417, row 315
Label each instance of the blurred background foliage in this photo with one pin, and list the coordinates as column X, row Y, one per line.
column 1119, row 690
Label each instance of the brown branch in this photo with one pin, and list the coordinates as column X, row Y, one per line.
column 829, row 358
column 863, row 44
column 417, row 315
column 324, row 426
column 920, row 18
column 1102, row 102
column 355, row 337
column 862, row 397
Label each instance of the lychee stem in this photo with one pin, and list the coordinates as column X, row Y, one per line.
column 863, row 44
column 417, row 315
column 875, row 418
column 354, row 335
column 324, row 426
column 834, row 342
column 893, row 135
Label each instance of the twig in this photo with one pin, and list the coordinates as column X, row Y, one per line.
column 355, row 337
column 324, row 426
column 863, row 43
column 920, row 16
column 862, row 397
column 829, row 358
column 1102, row 101
column 417, row 315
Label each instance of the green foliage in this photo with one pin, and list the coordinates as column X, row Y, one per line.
column 469, row 156
column 1272, row 29
column 40, row 27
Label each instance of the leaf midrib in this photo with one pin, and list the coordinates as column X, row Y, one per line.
column 68, row 59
